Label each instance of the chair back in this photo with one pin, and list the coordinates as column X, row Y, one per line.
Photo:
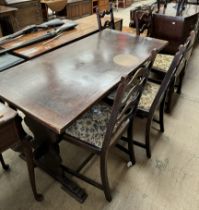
column 107, row 23
column 189, row 45
column 126, row 101
column 176, row 64
column 143, row 20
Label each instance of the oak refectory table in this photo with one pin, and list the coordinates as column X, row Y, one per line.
column 54, row 89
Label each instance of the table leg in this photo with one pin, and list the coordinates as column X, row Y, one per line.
column 47, row 156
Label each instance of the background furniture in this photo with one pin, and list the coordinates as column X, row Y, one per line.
column 124, row 3
column 56, row 6
column 177, row 28
column 101, row 4
column 109, row 23
column 78, row 8
column 7, row 19
column 153, row 98
column 29, row 12
column 162, row 64
column 86, row 26
column 140, row 9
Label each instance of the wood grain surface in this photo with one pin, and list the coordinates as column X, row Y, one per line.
column 57, row 87
column 86, row 26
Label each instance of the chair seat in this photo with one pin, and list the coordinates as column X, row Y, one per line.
column 148, row 96
column 162, row 62
column 91, row 126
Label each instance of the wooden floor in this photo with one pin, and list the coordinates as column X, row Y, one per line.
column 168, row 181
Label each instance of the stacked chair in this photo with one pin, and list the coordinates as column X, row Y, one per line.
column 153, row 99
column 163, row 62
column 166, row 76
column 154, row 96
column 144, row 24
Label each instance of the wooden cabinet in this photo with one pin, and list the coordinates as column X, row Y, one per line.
column 86, row 8
column 101, row 4
column 78, row 9
column 125, row 3
column 7, row 19
column 29, row 12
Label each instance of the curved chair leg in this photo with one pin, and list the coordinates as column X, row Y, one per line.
column 30, row 166
column 147, row 138
column 130, row 143
column 5, row 166
column 161, row 116
column 104, row 177
column 181, row 77
column 170, row 96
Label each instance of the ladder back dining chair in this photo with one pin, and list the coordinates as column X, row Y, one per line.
column 109, row 23
column 163, row 62
column 153, row 98
column 103, row 125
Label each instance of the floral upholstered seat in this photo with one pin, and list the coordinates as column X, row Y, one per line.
column 162, row 62
column 148, row 96
column 91, row 126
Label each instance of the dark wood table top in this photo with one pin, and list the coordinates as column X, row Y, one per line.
column 57, row 87
column 86, row 26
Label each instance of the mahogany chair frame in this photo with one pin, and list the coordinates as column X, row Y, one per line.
column 143, row 20
column 143, row 17
column 159, row 101
column 179, row 75
column 143, row 23
column 108, row 23
column 123, row 111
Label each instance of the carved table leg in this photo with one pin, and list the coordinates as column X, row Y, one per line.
column 47, row 157
column 30, row 164
column 5, row 166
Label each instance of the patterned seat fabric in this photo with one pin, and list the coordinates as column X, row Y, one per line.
column 148, row 96
column 163, row 62
column 91, row 126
